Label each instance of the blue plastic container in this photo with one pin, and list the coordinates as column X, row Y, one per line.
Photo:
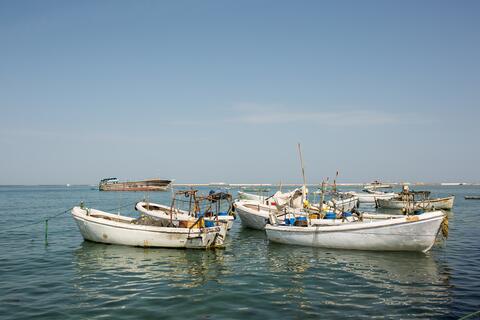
column 289, row 221
column 209, row 224
column 301, row 218
column 224, row 213
column 330, row 215
column 347, row 214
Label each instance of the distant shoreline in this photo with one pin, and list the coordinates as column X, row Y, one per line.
column 239, row 185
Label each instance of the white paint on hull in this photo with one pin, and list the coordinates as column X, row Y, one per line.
column 404, row 233
column 99, row 226
column 429, row 204
column 366, row 197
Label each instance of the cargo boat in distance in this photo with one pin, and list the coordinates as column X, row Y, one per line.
column 112, row 184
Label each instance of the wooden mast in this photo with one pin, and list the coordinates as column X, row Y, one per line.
column 303, row 175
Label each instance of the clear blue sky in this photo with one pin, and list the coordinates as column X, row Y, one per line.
column 203, row 91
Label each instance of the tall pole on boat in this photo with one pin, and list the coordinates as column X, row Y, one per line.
column 304, row 191
column 322, row 196
column 335, row 183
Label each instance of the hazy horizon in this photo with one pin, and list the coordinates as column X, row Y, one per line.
column 223, row 91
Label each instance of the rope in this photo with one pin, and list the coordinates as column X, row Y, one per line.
column 39, row 221
column 444, row 227
column 46, row 219
column 472, row 315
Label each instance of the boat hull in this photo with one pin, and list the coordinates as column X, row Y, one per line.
column 429, row 204
column 251, row 218
column 144, row 185
column 410, row 233
column 117, row 230
column 163, row 213
column 344, row 205
column 366, row 197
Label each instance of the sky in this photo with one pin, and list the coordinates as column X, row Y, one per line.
column 210, row 91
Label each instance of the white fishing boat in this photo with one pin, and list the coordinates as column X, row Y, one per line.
column 343, row 202
column 209, row 207
column 372, row 232
column 376, row 185
column 370, row 196
column 167, row 215
column 445, row 203
column 255, row 213
column 99, row 226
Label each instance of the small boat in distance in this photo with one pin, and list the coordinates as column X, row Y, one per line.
column 370, row 196
column 416, row 200
column 377, row 185
column 112, row 184
column 472, row 197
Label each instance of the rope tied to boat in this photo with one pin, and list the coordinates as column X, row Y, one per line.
column 444, row 227
column 45, row 219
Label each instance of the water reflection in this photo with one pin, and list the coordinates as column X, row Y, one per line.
column 177, row 268
column 388, row 278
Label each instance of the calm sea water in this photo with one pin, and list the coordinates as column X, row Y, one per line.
column 251, row 278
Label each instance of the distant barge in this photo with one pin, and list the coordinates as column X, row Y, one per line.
column 112, row 184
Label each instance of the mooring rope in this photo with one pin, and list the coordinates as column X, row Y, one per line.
column 39, row 221
column 46, row 219
column 473, row 315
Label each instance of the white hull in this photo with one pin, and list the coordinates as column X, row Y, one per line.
column 256, row 215
column 162, row 212
column 404, row 233
column 429, row 204
column 344, row 205
column 366, row 197
column 98, row 226
column 377, row 186
column 252, row 214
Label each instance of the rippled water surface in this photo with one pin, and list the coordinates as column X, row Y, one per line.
column 251, row 278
